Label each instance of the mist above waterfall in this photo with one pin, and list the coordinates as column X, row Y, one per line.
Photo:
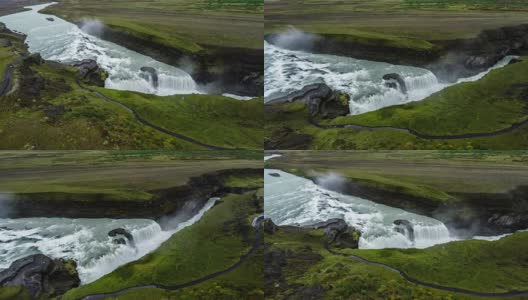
column 295, row 39
column 332, row 181
column 5, row 204
column 92, row 26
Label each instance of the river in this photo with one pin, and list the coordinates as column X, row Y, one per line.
column 86, row 240
column 62, row 41
column 293, row 200
column 286, row 71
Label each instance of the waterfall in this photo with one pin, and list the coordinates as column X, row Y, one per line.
column 429, row 235
column 176, row 84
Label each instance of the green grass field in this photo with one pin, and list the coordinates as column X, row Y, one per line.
column 190, row 26
column 477, row 265
column 400, row 23
column 439, row 176
column 88, row 122
column 214, row 243
column 492, row 103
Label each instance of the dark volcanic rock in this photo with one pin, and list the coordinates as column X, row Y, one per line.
column 274, row 174
column 393, row 78
column 269, row 226
column 50, row 19
column 153, row 74
column 339, row 233
column 120, row 241
column 90, row 72
column 320, row 99
column 42, row 276
column 121, row 231
column 406, row 228
column 508, row 222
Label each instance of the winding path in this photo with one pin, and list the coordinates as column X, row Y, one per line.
column 148, row 124
column 513, row 127
column 427, row 284
column 256, row 244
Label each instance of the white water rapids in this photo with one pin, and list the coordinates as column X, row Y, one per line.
column 293, row 200
column 86, row 240
column 286, row 71
column 62, row 41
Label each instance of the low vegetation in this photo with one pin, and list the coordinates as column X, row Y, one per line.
column 213, row 244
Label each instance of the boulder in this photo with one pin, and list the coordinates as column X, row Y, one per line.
column 405, row 227
column 274, row 174
column 42, row 276
column 339, row 233
column 395, row 81
column 122, row 232
column 119, row 241
column 50, row 19
column 269, row 226
column 320, row 99
column 153, row 74
column 90, row 72
column 508, row 222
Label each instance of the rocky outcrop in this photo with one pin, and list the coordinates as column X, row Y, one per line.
column 153, row 74
column 90, row 72
column 320, row 100
column 269, row 226
column 50, row 19
column 449, row 60
column 122, row 232
column 223, row 69
column 338, row 233
column 405, row 227
column 42, row 276
column 395, row 81
column 165, row 201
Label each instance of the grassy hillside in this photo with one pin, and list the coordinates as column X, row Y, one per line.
column 190, row 26
column 310, row 267
column 492, row 103
column 47, row 110
column 437, row 175
column 118, row 175
column 213, row 244
column 400, row 23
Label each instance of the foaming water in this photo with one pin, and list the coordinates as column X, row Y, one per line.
column 286, row 71
column 86, row 240
column 294, row 200
column 65, row 42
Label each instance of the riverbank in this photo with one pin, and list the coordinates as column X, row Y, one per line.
column 458, row 117
column 45, row 108
column 224, row 52
column 451, row 39
column 218, row 241
column 472, row 192
column 98, row 184
column 297, row 263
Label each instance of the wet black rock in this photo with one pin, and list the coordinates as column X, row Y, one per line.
column 514, row 61
column 405, row 227
column 395, row 81
column 274, row 174
column 121, row 232
column 50, row 19
column 320, row 99
column 119, row 241
column 339, row 233
column 269, row 226
column 153, row 74
column 508, row 222
column 42, row 276
column 90, row 72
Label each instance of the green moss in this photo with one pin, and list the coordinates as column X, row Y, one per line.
column 214, row 243
column 244, row 182
column 492, row 103
column 14, row 292
column 487, row 266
